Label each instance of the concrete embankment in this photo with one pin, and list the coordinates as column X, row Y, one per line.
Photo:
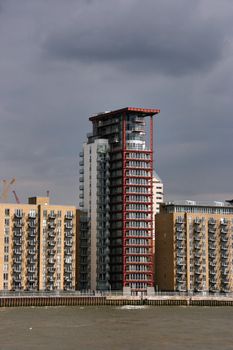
column 17, row 301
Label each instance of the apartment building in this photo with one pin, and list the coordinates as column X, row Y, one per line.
column 157, row 192
column 194, row 247
column 116, row 191
column 157, row 200
column 37, row 246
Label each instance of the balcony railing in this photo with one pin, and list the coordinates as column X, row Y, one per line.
column 51, row 261
column 212, row 222
column 224, row 256
column 31, row 252
column 51, row 269
column 180, row 237
column 52, row 234
column 212, row 231
column 17, row 233
column 69, row 225
column 224, row 222
column 31, row 243
column 32, row 234
column 224, row 231
column 17, row 278
column 18, row 224
column 224, row 264
column 51, row 252
column 226, row 281
column 17, row 269
column 17, row 242
column 67, row 262
column 213, row 281
column 31, row 270
column 17, row 252
column 69, row 216
column 68, row 244
column 68, row 251
column 18, row 214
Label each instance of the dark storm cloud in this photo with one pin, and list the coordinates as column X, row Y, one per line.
column 64, row 60
column 167, row 37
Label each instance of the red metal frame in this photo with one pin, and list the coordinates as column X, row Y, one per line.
column 124, row 195
column 143, row 111
column 149, row 238
column 152, row 219
column 122, row 200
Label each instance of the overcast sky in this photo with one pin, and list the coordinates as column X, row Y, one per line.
column 63, row 60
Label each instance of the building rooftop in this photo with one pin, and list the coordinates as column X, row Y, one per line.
column 197, row 207
column 35, row 201
column 142, row 111
column 156, row 176
column 199, row 203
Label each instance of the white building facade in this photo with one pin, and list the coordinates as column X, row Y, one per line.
column 94, row 199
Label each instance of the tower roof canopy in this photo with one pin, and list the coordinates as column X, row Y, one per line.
column 129, row 110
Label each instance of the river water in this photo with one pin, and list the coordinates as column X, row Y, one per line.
column 113, row 328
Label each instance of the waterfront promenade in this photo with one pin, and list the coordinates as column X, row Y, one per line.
column 13, row 299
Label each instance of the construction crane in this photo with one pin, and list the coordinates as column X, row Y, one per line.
column 16, row 197
column 6, row 188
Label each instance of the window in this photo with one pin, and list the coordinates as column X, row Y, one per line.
column 7, row 212
column 6, row 231
column 18, row 212
column 32, row 214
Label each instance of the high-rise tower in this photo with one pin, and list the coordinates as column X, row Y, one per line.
column 116, row 189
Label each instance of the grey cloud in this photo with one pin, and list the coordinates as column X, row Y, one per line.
column 64, row 60
column 161, row 38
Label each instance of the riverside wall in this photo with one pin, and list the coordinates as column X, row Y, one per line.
column 53, row 300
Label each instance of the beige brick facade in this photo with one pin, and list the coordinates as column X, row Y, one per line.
column 37, row 246
column 194, row 247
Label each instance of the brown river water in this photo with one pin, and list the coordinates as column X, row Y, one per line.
column 123, row 328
